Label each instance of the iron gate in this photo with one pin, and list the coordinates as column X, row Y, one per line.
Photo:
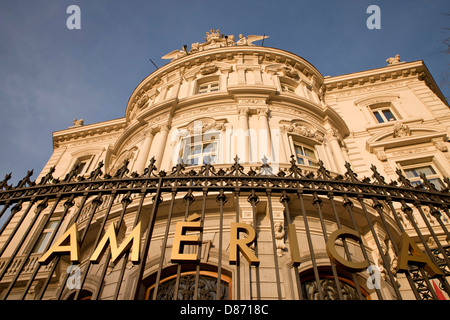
column 303, row 193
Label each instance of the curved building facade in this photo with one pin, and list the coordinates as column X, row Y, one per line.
column 240, row 172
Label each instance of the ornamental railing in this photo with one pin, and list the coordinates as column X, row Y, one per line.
column 30, row 205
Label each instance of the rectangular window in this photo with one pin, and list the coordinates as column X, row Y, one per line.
column 287, row 88
column 44, row 238
column 384, row 115
column 305, row 155
column 83, row 164
column 201, row 149
column 208, row 87
column 413, row 175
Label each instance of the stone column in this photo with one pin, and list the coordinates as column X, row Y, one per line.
column 265, row 144
column 162, row 140
column 242, row 136
column 333, row 138
column 144, row 151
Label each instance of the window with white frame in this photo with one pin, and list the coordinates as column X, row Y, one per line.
column 305, row 155
column 413, row 172
column 384, row 113
column 208, row 87
column 201, row 149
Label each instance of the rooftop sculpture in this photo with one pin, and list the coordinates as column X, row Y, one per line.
column 214, row 39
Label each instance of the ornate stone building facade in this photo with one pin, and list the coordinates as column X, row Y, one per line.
column 265, row 112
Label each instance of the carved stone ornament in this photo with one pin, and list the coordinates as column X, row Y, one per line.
column 401, row 130
column 279, row 236
column 208, row 69
column 251, row 101
column 142, row 101
column 441, row 146
column 302, row 130
column 291, row 73
column 214, row 39
column 202, row 125
column 381, row 155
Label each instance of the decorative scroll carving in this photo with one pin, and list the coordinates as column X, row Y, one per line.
column 381, row 155
column 441, row 146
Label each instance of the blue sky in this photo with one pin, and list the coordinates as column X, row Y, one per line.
column 50, row 75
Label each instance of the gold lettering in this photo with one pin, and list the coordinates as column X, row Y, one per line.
column 59, row 247
column 132, row 241
column 180, row 239
column 235, row 242
column 350, row 266
column 417, row 257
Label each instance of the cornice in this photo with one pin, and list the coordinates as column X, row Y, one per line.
column 95, row 129
column 416, row 70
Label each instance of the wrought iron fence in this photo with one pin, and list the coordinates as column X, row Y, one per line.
column 302, row 192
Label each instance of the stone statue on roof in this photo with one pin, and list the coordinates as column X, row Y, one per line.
column 393, row 60
column 214, row 39
column 248, row 41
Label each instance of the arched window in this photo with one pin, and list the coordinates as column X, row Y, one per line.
column 201, row 149
column 207, row 285
column 84, row 295
column 328, row 287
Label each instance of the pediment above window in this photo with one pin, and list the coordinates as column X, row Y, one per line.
column 376, row 99
column 401, row 134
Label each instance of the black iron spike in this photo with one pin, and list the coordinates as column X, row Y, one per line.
column 294, row 169
column 123, row 170
column 266, row 168
column 26, row 179
column 322, row 171
column 4, row 183
column 377, row 176
column 151, row 167
column 97, row 172
column 402, row 179
column 350, row 174
column 48, row 177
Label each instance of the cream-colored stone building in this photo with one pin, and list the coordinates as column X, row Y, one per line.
column 228, row 97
